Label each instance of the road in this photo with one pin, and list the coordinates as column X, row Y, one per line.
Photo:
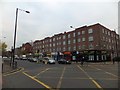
column 38, row 75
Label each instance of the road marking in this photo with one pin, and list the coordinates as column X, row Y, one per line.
column 33, row 78
column 42, row 72
column 82, row 78
column 97, row 85
column 95, row 67
column 105, row 71
column 111, row 74
column 13, row 72
column 60, row 80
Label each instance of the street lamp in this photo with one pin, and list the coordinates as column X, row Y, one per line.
column 15, row 30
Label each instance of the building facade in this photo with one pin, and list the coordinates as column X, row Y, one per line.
column 96, row 40
column 26, row 49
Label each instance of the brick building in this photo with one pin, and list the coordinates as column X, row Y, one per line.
column 96, row 40
column 26, row 48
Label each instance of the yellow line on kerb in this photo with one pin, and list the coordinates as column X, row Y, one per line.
column 98, row 86
column 13, row 72
column 33, row 78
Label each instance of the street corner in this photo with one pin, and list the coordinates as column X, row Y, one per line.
column 17, row 70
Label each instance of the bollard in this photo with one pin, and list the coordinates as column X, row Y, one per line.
column 14, row 65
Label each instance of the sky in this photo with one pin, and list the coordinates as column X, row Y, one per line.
column 49, row 17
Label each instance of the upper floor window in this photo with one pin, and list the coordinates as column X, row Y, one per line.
column 79, row 47
column 60, row 48
column 53, row 50
column 83, row 32
column 59, row 43
column 53, row 39
column 108, row 33
column 103, row 31
column 68, row 35
column 111, row 35
column 50, row 45
column 74, row 34
column 109, row 40
column 78, row 39
column 53, row 44
column 78, row 33
column 68, row 41
column 83, row 46
column 60, row 37
column 57, row 49
column 64, row 42
column 103, row 38
column 50, row 40
column 69, row 48
column 64, row 49
column 57, row 38
column 90, row 30
column 106, row 39
column 91, row 38
column 63, row 36
column 109, row 47
column 74, row 48
column 83, row 39
column 74, row 41
column 91, row 46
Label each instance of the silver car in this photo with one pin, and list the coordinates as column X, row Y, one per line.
column 47, row 60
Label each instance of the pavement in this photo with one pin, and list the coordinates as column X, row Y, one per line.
column 6, row 66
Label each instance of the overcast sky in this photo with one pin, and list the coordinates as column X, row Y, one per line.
column 49, row 17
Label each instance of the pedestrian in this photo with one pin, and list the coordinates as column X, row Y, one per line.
column 113, row 60
column 82, row 60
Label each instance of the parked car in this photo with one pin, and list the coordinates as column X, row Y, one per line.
column 32, row 59
column 64, row 61
column 40, row 59
column 47, row 60
column 23, row 58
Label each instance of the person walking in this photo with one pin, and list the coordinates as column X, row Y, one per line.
column 113, row 60
column 82, row 60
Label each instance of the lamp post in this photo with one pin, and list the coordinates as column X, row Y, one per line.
column 16, row 30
